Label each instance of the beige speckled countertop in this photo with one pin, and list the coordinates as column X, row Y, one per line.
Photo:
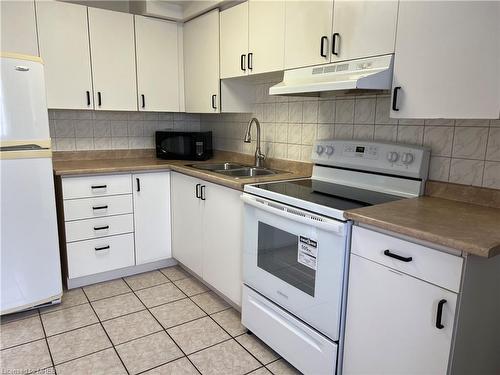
column 466, row 227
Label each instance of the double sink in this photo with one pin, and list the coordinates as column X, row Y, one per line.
column 235, row 170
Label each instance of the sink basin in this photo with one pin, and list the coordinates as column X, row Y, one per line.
column 215, row 167
column 248, row 172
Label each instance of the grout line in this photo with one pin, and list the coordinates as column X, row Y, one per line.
column 47, row 342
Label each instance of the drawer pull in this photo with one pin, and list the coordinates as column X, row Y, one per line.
column 439, row 324
column 100, row 207
column 98, row 187
column 398, row 257
column 102, row 228
column 101, row 248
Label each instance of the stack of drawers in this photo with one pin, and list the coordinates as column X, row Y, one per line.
column 99, row 223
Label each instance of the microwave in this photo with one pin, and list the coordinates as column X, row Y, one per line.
column 184, row 145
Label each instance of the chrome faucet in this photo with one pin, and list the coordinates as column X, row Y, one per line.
column 259, row 156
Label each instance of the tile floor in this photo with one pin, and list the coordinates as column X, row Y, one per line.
column 159, row 322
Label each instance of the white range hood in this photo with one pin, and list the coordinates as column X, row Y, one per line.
column 373, row 73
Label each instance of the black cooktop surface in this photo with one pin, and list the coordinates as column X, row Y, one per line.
column 336, row 196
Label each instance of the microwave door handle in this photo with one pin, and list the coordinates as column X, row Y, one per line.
column 328, row 225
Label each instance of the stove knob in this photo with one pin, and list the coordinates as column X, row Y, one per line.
column 319, row 149
column 329, row 150
column 392, row 156
column 407, row 158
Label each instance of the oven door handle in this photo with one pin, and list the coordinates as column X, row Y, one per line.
column 329, row 225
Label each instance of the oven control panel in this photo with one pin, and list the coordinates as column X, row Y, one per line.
column 390, row 158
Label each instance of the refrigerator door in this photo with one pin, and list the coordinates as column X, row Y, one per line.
column 23, row 107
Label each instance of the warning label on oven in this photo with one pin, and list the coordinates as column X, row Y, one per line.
column 308, row 252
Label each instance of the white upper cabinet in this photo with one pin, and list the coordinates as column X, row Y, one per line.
column 18, row 27
column 201, row 63
column 308, row 30
column 68, row 77
column 113, row 60
column 266, row 43
column 447, row 60
column 234, row 41
column 157, row 64
column 363, row 28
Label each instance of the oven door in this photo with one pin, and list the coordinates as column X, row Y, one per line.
column 296, row 259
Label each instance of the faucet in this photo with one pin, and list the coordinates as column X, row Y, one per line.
column 259, row 156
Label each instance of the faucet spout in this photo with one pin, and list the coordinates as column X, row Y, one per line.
column 259, row 156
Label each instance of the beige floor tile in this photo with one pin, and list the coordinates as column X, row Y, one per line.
column 113, row 307
column 259, row 350
column 68, row 319
column 103, row 362
column 148, row 352
column 146, row 280
column 191, row 286
column 210, row 302
column 160, row 294
column 4, row 319
column 180, row 366
column 175, row 273
column 261, row 371
column 20, row 332
column 230, row 320
column 282, row 367
column 106, row 289
column 132, row 326
column 78, row 343
column 25, row 358
column 197, row 335
column 225, row 358
column 178, row 312
column 70, row 298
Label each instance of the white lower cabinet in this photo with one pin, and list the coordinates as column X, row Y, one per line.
column 207, row 222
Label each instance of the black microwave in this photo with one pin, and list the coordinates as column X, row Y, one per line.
column 184, row 145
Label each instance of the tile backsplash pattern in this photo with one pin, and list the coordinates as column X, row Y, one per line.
column 73, row 130
column 463, row 151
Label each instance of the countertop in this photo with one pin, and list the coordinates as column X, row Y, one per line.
column 466, row 227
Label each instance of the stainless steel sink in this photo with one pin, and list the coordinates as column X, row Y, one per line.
column 215, row 167
column 235, row 170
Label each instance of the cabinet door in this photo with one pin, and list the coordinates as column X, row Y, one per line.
column 157, row 64
column 201, row 63
column 363, row 28
column 234, row 41
column 152, row 216
column 222, row 240
column 113, row 60
column 266, row 36
column 308, row 29
column 391, row 322
column 66, row 55
column 18, row 27
column 447, row 60
column 186, row 222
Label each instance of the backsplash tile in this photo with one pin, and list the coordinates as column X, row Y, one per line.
column 462, row 151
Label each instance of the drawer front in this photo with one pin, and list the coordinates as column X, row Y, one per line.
column 95, row 186
column 428, row 264
column 87, row 208
column 300, row 345
column 99, row 227
column 100, row 255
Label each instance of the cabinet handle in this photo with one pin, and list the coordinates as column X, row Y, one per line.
column 138, row 184
column 202, row 192
column 143, row 99
column 439, row 315
column 100, row 207
column 214, row 101
column 99, row 101
column 250, row 61
column 88, row 98
column 243, row 63
column 102, row 248
column 104, row 227
column 98, row 187
column 398, row 257
column 395, row 98
column 322, row 46
column 197, row 192
column 334, row 39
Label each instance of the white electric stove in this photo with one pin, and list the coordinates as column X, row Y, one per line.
column 297, row 243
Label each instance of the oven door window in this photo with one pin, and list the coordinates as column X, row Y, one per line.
column 177, row 145
column 277, row 254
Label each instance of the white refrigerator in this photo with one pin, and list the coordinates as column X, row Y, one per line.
column 30, row 263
